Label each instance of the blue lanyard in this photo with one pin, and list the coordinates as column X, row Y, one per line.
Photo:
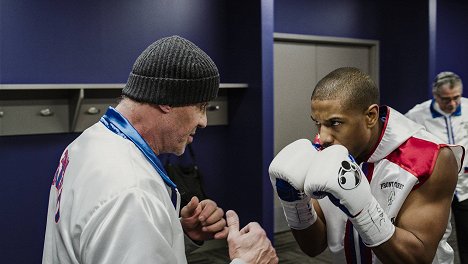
column 119, row 125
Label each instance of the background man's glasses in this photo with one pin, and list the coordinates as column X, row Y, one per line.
column 447, row 100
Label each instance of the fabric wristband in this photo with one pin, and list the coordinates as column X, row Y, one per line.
column 300, row 214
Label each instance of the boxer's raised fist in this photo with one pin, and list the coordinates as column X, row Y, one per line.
column 335, row 174
column 287, row 174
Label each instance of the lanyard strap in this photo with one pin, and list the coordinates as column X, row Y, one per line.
column 119, row 125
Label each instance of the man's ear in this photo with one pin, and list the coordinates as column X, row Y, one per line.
column 165, row 108
column 372, row 115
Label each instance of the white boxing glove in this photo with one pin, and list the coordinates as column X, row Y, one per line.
column 335, row 174
column 287, row 174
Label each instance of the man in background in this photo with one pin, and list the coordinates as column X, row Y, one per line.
column 446, row 116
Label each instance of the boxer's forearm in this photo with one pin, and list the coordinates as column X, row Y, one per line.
column 312, row 240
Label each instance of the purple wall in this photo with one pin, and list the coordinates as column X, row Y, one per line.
column 452, row 38
column 404, row 53
column 247, row 160
column 352, row 19
column 27, row 166
column 97, row 42
column 402, row 27
column 267, row 112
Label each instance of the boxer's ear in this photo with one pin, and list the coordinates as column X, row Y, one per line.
column 372, row 115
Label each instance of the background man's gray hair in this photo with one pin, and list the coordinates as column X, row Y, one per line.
column 444, row 78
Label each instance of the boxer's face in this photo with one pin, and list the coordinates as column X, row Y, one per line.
column 184, row 122
column 338, row 125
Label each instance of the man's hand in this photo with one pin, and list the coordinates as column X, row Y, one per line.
column 249, row 244
column 203, row 220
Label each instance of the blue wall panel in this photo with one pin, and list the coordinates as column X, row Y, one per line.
column 404, row 43
column 267, row 112
column 27, row 165
column 245, row 112
column 353, row 19
column 97, row 41
column 452, row 38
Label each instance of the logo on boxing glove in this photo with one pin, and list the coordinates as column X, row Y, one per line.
column 349, row 176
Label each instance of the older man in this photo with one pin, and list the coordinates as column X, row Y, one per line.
column 111, row 200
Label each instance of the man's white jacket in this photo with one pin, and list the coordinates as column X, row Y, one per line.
column 109, row 205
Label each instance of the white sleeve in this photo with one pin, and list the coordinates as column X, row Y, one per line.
column 134, row 227
column 410, row 114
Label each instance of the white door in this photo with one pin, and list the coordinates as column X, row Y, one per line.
column 299, row 63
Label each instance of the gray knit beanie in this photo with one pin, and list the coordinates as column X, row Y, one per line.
column 173, row 71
